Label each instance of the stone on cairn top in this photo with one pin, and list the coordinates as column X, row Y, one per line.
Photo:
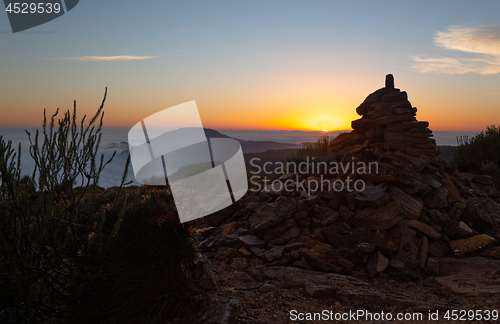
column 389, row 82
column 388, row 122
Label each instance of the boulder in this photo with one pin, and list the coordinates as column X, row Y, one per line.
column 474, row 243
column 410, row 206
column 379, row 218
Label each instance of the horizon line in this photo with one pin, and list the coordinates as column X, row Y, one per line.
column 254, row 129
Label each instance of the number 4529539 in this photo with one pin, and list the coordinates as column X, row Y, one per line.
column 27, row 8
column 471, row 315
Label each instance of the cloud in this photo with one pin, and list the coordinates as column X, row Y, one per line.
column 480, row 39
column 456, row 65
column 106, row 58
column 483, row 40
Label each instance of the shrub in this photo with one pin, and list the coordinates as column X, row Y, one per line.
column 480, row 154
column 44, row 235
column 145, row 274
column 78, row 253
column 314, row 149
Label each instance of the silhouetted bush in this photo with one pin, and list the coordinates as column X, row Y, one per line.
column 145, row 275
column 313, row 149
column 82, row 254
column 480, row 154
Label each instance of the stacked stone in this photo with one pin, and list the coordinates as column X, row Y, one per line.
column 383, row 228
column 416, row 209
column 388, row 121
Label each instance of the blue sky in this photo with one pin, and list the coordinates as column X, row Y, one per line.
column 256, row 64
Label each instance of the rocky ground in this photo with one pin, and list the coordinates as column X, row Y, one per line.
column 288, row 289
column 419, row 236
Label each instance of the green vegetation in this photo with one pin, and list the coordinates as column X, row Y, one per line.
column 314, row 149
column 480, row 154
column 82, row 254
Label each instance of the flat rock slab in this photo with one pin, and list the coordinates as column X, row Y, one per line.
column 332, row 285
column 251, row 240
column 464, row 246
column 379, row 218
column 474, row 276
column 424, row 228
column 411, row 206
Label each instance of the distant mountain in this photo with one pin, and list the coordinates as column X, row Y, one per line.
column 247, row 146
column 213, row 133
column 263, row 151
column 252, row 146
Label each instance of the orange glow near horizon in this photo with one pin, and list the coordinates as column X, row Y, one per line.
column 309, row 104
column 270, row 117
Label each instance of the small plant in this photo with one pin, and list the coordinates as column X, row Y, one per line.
column 48, row 237
column 145, row 276
column 480, row 154
column 71, row 251
column 314, row 149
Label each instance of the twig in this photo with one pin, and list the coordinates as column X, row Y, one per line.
column 255, row 287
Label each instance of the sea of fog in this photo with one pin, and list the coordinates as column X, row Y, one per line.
column 285, row 136
column 116, row 140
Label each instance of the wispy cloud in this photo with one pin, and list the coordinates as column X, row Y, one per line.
column 106, row 58
column 457, row 65
column 483, row 40
column 480, row 39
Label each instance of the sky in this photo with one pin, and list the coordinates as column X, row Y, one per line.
column 256, row 65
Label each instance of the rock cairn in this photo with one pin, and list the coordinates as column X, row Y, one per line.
column 416, row 209
column 388, row 122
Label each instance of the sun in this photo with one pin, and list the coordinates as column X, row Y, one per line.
column 325, row 130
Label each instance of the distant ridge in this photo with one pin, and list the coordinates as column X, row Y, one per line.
column 252, row 146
